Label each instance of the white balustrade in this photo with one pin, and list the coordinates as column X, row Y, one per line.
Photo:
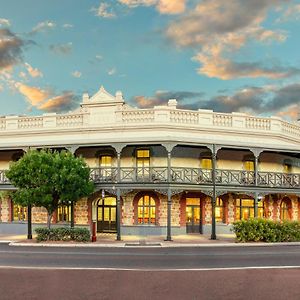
column 69, row 120
column 30, row 122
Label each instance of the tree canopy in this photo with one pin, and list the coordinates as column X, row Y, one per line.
column 49, row 178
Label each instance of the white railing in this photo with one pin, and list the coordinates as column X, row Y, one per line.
column 258, row 123
column 157, row 115
column 138, row 116
column 69, row 120
column 2, row 124
column 224, row 120
column 291, row 129
column 184, row 117
column 30, row 122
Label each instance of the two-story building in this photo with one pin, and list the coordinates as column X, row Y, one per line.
column 164, row 170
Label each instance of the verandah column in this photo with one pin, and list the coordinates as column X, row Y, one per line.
column 214, row 195
column 118, row 148
column 169, row 148
column 169, row 218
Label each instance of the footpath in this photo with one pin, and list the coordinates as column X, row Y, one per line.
column 109, row 240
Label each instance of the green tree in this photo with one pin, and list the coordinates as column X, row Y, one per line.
column 49, row 178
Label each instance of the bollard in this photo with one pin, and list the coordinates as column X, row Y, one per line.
column 94, row 236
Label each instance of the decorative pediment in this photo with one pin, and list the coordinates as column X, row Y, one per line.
column 103, row 97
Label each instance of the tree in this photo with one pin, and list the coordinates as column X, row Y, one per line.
column 49, row 178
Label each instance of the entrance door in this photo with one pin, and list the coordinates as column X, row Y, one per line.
column 193, row 215
column 106, row 215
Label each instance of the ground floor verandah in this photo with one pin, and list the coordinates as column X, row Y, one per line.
column 145, row 213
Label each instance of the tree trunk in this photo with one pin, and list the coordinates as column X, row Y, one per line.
column 72, row 214
column 29, row 223
column 49, row 217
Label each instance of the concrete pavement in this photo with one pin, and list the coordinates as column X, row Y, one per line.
column 109, row 240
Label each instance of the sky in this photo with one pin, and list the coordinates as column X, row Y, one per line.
column 235, row 55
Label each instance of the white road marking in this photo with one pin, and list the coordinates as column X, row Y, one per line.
column 150, row 270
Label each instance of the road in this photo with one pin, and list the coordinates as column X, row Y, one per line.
column 150, row 273
column 150, row 258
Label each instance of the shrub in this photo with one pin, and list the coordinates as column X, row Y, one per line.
column 261, row 230
column 62, row 234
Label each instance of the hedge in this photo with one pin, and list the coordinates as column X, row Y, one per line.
column 261, row 230
column 62, row 234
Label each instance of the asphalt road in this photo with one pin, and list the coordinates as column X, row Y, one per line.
column 150, row 258
column 149, row 273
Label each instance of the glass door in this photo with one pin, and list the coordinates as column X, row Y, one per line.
column 193, row 215
column 106, row 215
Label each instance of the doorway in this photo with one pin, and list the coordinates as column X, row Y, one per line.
column 107, row 215
column 193, row 215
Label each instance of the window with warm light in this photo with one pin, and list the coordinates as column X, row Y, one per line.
column 19, row 213
column 287, row 168
column 244, row 209
column 105, row 161
column 143, row 158
column 249, row 165
column 261, row 209
column 206, row 163
column 219, row 211
column 146, row 210
column 64, row 213
column 284, row 210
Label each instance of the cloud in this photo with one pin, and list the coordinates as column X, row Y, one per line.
column 265, row 100
column 61, row 103
column 10, row 49
column 112, row 71
column 162, row 6
column 76, row 74
column 34, row 95
column 33, row 72
column 103, row 11
column 99, row 57
column 292, row 112
column 162, row 97
column 45, row 100
column 62, row 49
column 291, row 13
column 67, row 25
column 4, row 22
column 43, row 27
column 216, row 66
column 218, row 29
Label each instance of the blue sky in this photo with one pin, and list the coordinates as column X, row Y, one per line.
column 223, row 55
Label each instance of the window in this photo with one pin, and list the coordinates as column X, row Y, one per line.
column 105, row 161
column 19, row 213
column 261, row 209
column 219, row 211
column 244, row 209
column 64, row 213
column 143, row 158
column 146, row 210
column 249, row 165
column 287, row 168
column 206, row 163
column 285, row 213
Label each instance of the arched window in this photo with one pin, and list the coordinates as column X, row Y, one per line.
column 285, row 209
column 219, row 211
column 146, row 210
column 244, row 209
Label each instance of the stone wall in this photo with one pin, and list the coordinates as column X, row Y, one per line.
column 81, row 212
column 5, row 210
